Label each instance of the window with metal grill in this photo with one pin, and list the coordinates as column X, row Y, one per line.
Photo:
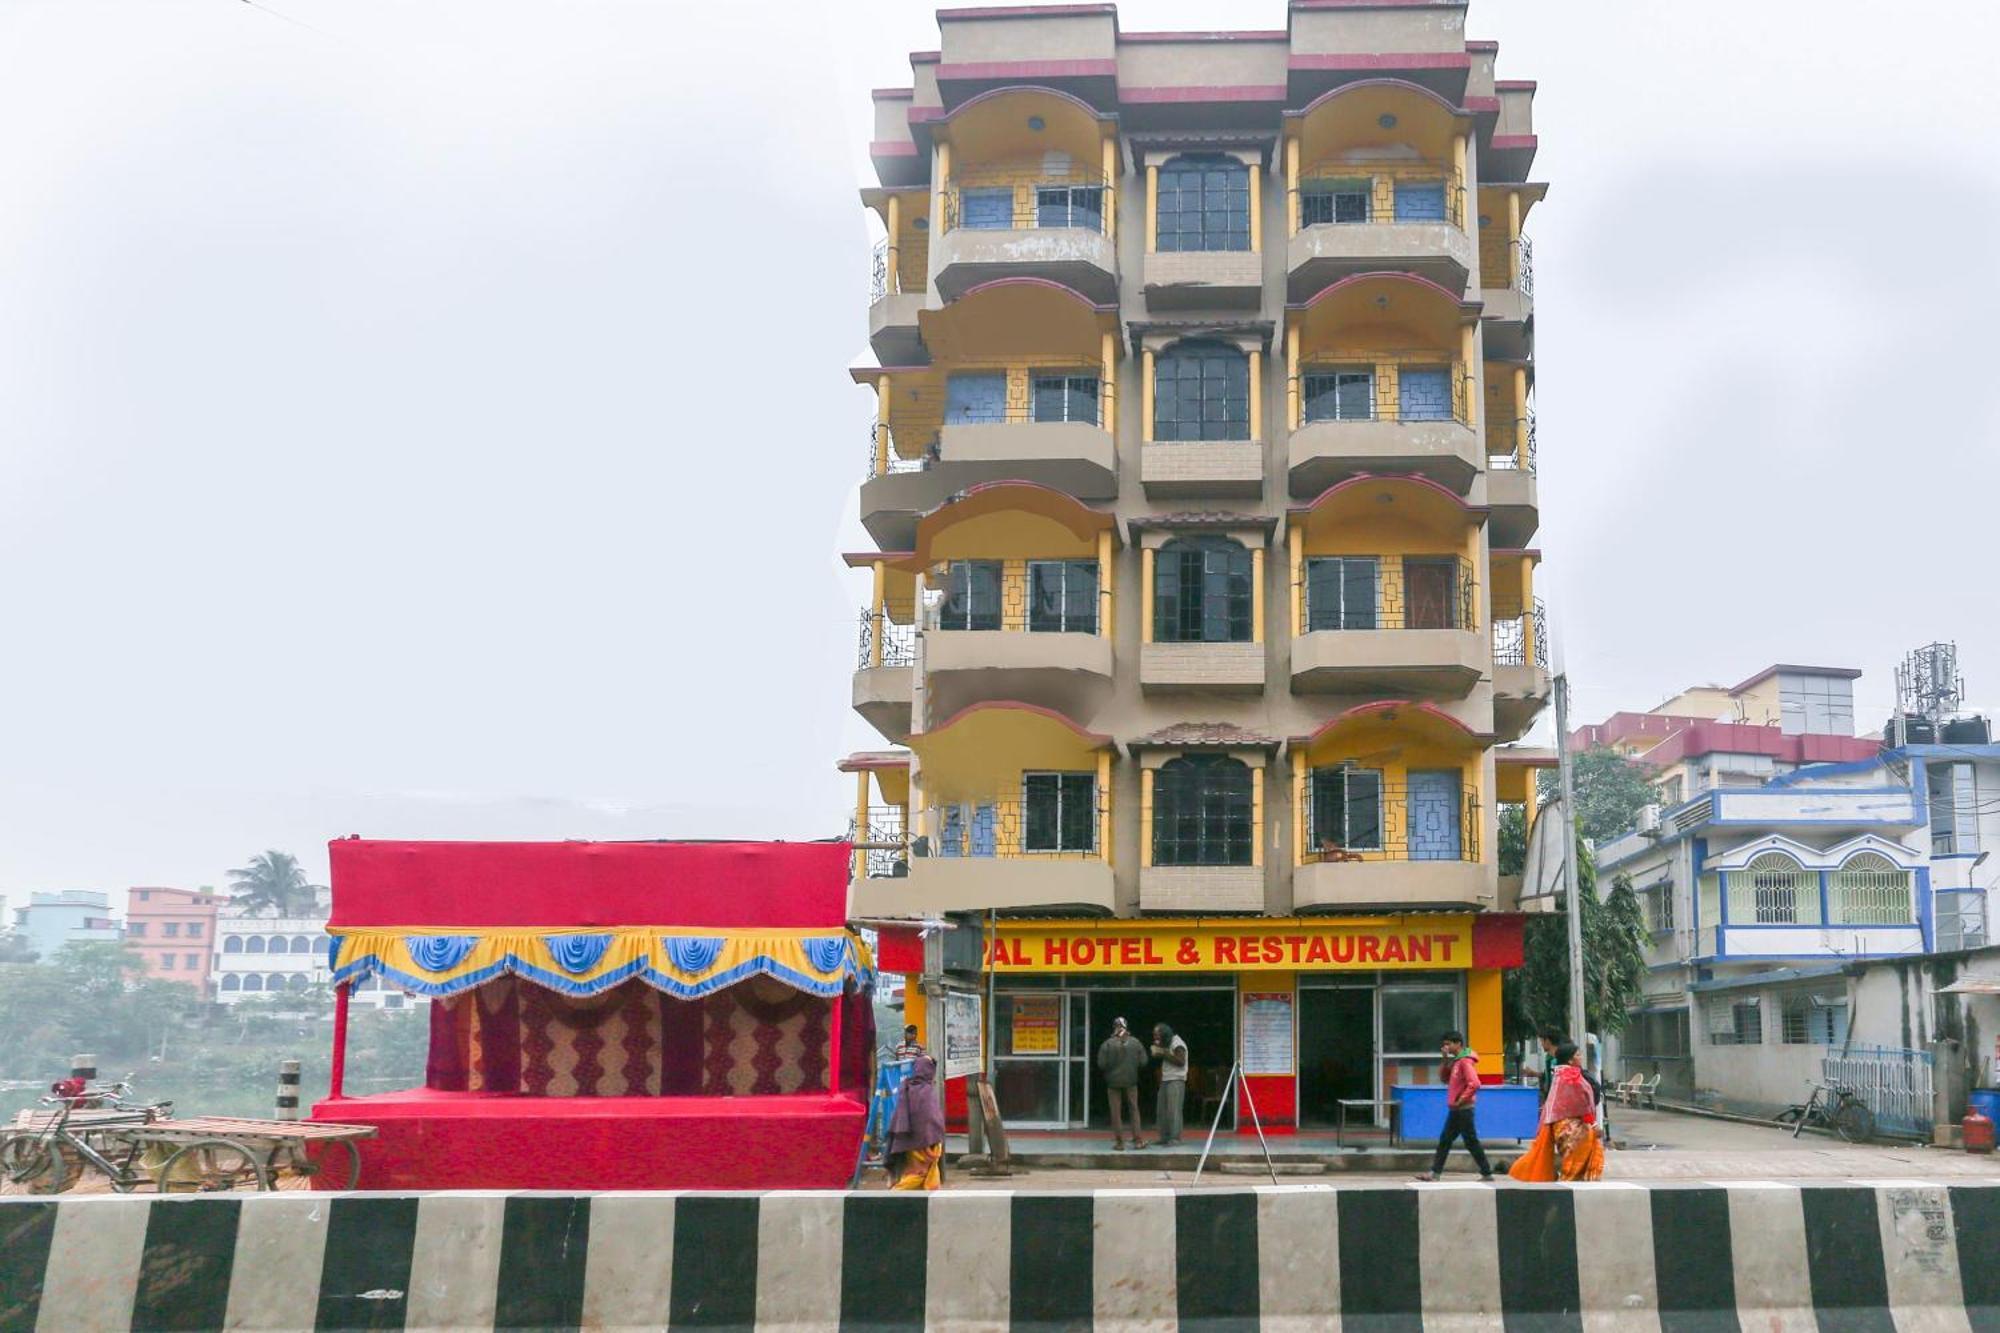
column 1870, row 890
column 1201, row 591
column 971, row 596
column 1323, row 203
column 1774, row 890
column 1734, row 1020
column 1062, row 596
column 1420, row 201
column 1061, row 812
column 1061, row 395
column 1201, row 812
column 1201, row 391
column 1070, row 206
column 1813, row 1018
column 1347, row 809
column 1204, row 204
column 1340, row 395
column 1342, row 591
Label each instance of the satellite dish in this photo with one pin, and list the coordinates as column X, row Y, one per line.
column 1542, row 872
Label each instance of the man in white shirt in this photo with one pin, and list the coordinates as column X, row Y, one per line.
column 1172, row 1053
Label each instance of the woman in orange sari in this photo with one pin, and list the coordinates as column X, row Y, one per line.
column 1567, row 1147
column 916, row 1129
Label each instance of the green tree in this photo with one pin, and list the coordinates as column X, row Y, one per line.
column 273, row 880
column 1609, row 791
column 1513, row 849
column 14, row 949
column 1536, row 994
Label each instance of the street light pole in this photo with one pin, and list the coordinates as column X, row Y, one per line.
column 1572, row 897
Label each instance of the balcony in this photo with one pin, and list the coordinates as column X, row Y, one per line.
column 882, row 674
column 1347, row 221
column 1520, row 672
column 1035, row 846
column 1016, row 651
column 1507, row 295
column 1001, row 224
column 1511, row 491
column 1387, row 624
column 1401, row 412
column 1366, row 843
column 895, row 294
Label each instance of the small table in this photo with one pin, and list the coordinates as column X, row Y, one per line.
column 1340, row 1118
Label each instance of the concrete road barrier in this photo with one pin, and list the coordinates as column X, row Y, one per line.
column 1609, row 1256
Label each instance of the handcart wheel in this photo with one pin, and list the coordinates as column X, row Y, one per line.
column 42, row 1165
column 324, row 1164
column 212, row 1165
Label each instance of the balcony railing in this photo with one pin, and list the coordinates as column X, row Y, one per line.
column 1026, row 201
column 1511, row 639
column 1351, row 815
column 1524, row 268
column 883, row 842
column 1505, row 449
column 884, row 461
column 884, row 643
column 1062, row 601
column 1400, row 388
column 1341, row 593
column 1330, row 197
column 1053, row 816
column 878, row 274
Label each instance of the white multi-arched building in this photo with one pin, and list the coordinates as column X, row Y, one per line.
column 258, row 956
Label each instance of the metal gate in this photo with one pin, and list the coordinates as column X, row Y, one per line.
column 1896, row 1085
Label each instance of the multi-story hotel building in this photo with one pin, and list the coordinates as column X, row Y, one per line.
column 1201, row 476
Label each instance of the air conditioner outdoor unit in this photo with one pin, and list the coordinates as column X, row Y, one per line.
column 1649, row 820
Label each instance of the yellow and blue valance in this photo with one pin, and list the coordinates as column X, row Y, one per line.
column 687, row 965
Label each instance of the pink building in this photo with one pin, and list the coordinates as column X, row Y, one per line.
column 174, row 931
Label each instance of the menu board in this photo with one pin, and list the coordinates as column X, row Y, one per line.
column 963, row 1053
column 1037, row 1025
column 1267, row 1032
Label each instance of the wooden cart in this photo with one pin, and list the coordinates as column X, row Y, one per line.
column 204, row 1153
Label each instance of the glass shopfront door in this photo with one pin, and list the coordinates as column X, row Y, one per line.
column 1041, row 1069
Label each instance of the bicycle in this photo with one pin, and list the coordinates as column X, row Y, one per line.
column 1834, row 1108
column 49, row 1157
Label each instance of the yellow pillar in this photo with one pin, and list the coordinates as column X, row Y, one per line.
column 916, row 1007
column 1533, row 801
column 1146, row 396
column 892, row 283
column 1458, row 150
column 1145, row 817
column 1111, row 175
column 1256, row 594
column 878, row 614
column 1146, row 594
column 1466, row 398
column 859, row 859
column 1105, row 569
column 1256, row 386
column 1257, row 816
column 881, row 425
column 1152, row 208
column 1107, row 385
column 1292, row 377
column 1295, row 539
column 1298, row 807
column 1483, row 1018
column 1513, row 239
column 1256, row 209
column 1104, row 806
column 1520, row 416
column 940, row 215
column 1292, row 186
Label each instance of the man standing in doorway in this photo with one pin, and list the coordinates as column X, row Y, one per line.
column 1460, row 1075
column 1172, row 1053
column 1119, row 1060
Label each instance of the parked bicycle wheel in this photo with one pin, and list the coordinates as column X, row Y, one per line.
column 209, row 1165
column 41, row 1165
column 1854, row 1122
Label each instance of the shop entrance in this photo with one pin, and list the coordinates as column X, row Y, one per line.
column 1336, row 1050
column 1204, row 1019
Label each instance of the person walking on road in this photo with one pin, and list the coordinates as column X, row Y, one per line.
column 1172, row 1053
column 1568, row 1145
column 1119, row 1061
column 1460, row 1075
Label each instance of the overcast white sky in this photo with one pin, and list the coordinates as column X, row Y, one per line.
column 432, row 421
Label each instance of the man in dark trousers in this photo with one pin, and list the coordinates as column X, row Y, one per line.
column 1460, row 1075
column 1119, row 1061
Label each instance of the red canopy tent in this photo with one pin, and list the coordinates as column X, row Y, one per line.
column 609, row 1015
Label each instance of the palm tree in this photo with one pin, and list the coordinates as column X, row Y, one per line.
column 274, row 880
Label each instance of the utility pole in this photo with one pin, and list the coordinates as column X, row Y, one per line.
column 1572, row 892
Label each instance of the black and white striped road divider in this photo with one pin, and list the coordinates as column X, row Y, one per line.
column 1607, row 1256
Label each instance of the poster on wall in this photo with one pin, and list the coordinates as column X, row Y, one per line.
column 1037, row 1025
column 1267, row 1032
column 962, row 1054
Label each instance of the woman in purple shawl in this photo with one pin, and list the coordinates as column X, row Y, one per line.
column 916, row 1130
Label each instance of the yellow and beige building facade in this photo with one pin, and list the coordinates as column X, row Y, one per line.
column 1200, row 614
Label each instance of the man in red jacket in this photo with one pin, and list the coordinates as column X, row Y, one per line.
column 1460, row 1075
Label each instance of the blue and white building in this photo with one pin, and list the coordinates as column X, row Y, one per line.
column 1820, row 914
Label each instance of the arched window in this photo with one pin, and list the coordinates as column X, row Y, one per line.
column 302, row 944
column 1201, row 391
column 232, row 944
column 1774, row 891
column 252, row 982
column 1201, row 812
column 1870, row 890
column 275, row 982
column 296, row 982
column 230, row 981
column 253, row 944
column 1201, row 591
column 1204, row 203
